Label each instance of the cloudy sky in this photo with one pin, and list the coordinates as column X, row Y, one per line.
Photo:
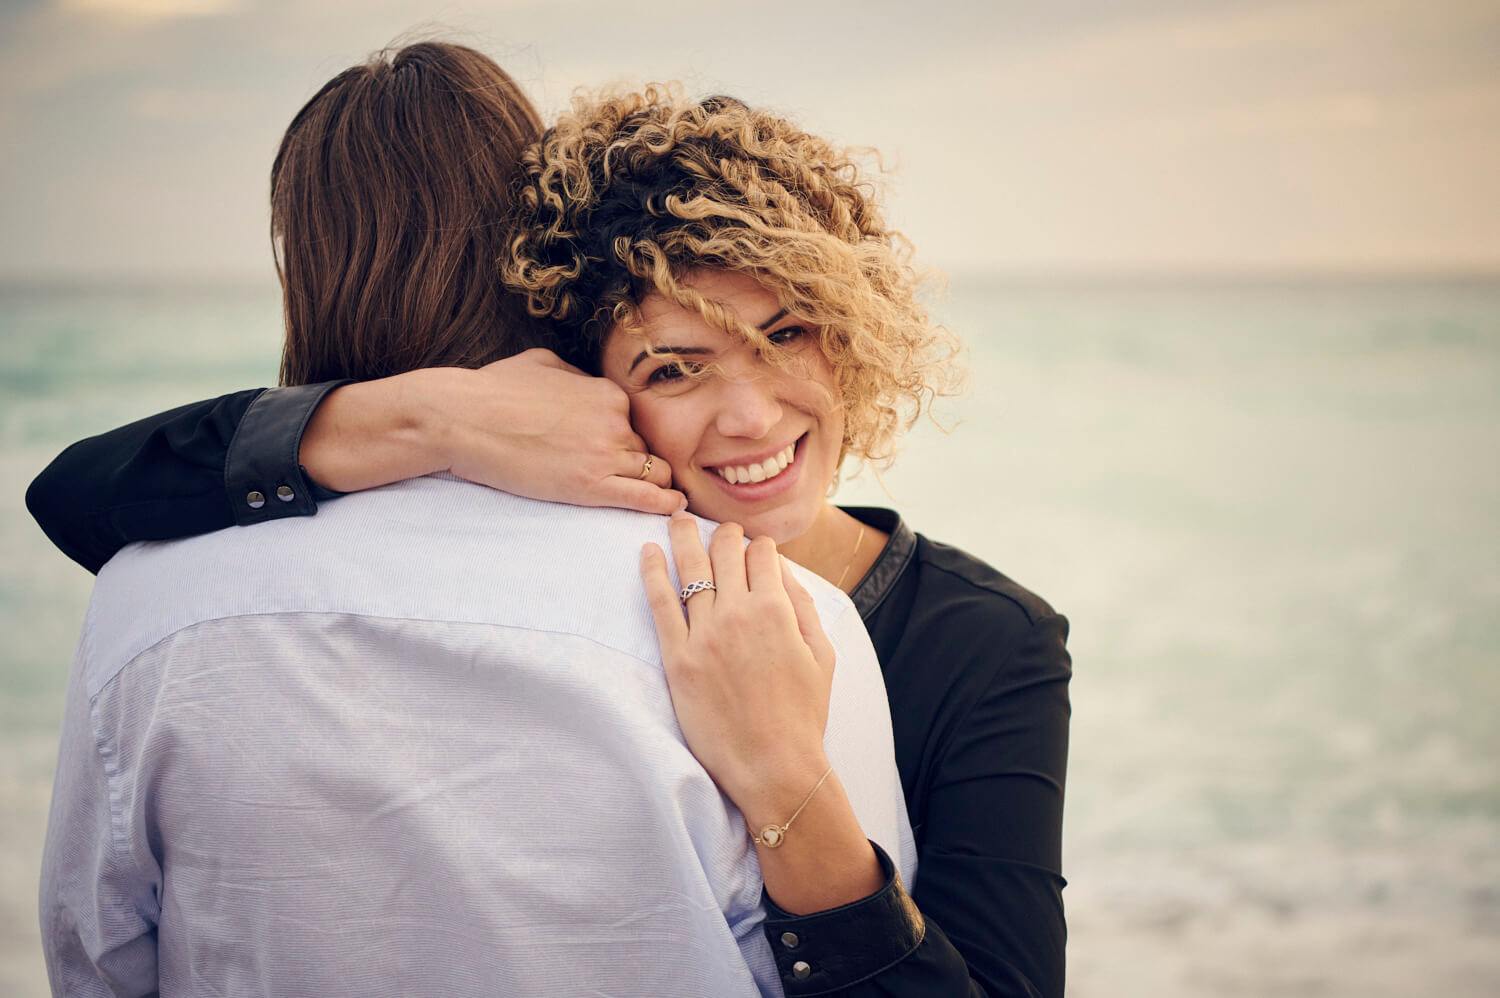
column 1038, row 137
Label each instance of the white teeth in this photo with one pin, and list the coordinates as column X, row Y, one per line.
column 737, row 474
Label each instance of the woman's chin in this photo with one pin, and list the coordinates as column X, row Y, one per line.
column 782, row 525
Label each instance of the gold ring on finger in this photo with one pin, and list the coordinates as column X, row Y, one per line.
column 645, row 468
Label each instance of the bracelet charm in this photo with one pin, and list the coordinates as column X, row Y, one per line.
column 772, row 836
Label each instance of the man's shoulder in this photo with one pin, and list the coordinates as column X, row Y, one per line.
column 434, row 548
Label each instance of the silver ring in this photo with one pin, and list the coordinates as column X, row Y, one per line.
column 693, row 588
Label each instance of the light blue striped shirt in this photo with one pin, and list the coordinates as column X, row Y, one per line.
column 420, row 743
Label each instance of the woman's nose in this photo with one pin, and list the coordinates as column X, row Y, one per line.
column 750, row 406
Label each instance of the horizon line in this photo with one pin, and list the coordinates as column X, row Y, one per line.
column 243, row 281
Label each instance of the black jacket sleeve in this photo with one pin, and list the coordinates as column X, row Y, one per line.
column 985, row 917
column 202, row 467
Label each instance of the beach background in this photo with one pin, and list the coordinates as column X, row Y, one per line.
column 1234, row 408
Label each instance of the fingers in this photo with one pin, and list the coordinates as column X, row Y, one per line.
column 545, row 358
column 727, row 551
column 808, row 622
column 692, row 562
column 625, row 493
column 763, row 566
column 666, row 609
column 652, row 494
column 657, row 471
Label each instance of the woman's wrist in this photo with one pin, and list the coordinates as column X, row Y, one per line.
column 824, row 860
column 771, row 791
column 373, row 433
column 426, row 410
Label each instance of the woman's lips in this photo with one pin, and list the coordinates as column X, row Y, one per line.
column 740, row 474
column 783, row 467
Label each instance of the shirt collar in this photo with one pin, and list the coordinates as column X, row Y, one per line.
column 881, row 578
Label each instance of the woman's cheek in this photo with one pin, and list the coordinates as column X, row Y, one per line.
column 653, row 420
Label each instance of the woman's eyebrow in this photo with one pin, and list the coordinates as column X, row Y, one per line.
column 772, row 321
column 696, row 351
column 660, row 351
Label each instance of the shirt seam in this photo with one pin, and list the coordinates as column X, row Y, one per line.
column 107, row 756
column 1032, row 619
column 114, row 782
column 114, row 674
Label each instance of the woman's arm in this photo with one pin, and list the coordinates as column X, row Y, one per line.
column 529, row 424
column 532, row 425
column 987, row 905
column 170, row 475
column 751, row 671
column 991, row 818
column 989, row 809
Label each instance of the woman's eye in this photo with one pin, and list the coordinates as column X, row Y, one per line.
column 786, row 335
column 669, row 372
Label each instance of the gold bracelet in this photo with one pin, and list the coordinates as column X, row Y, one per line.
column 772, row 836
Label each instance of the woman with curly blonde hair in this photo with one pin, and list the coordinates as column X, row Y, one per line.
column 734, row 276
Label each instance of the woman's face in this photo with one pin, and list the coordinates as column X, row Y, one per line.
column 748, row 441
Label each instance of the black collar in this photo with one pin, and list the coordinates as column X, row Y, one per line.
column 899, row 550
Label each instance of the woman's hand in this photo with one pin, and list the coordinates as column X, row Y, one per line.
column 531, row 425
column 751, row 673
column 750, row 669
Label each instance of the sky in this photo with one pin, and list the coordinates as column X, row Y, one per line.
column 1041, row 138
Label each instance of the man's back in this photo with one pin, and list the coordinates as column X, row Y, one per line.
column 419, row 743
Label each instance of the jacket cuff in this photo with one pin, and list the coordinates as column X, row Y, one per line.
column 832, row 950
column 261, row 475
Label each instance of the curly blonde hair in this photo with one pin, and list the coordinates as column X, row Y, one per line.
column 629, row 193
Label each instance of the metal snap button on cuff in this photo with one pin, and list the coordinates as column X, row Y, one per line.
column 255, row 500
column 285, row 493
column 790, row 940
column 801, row 970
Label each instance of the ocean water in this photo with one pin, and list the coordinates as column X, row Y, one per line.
column 1268, row 509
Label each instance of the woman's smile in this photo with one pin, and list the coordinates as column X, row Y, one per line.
column 757, row 472
column 750, row 440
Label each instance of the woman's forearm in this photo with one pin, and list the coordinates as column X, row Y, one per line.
column 750, row 672
column 373, row 433
column 528, row 424
column 823, row 860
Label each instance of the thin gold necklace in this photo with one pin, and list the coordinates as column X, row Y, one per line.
column 858, row 540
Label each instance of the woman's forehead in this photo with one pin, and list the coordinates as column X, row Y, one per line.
column 739, row 294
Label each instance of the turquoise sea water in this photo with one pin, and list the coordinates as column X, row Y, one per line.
column 1269, row 510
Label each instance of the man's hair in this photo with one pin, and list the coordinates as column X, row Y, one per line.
column 628, row 194
column 391, row 203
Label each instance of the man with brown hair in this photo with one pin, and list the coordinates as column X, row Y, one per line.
column 421, row 743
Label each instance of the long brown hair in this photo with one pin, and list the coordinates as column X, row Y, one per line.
column 391, row 201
